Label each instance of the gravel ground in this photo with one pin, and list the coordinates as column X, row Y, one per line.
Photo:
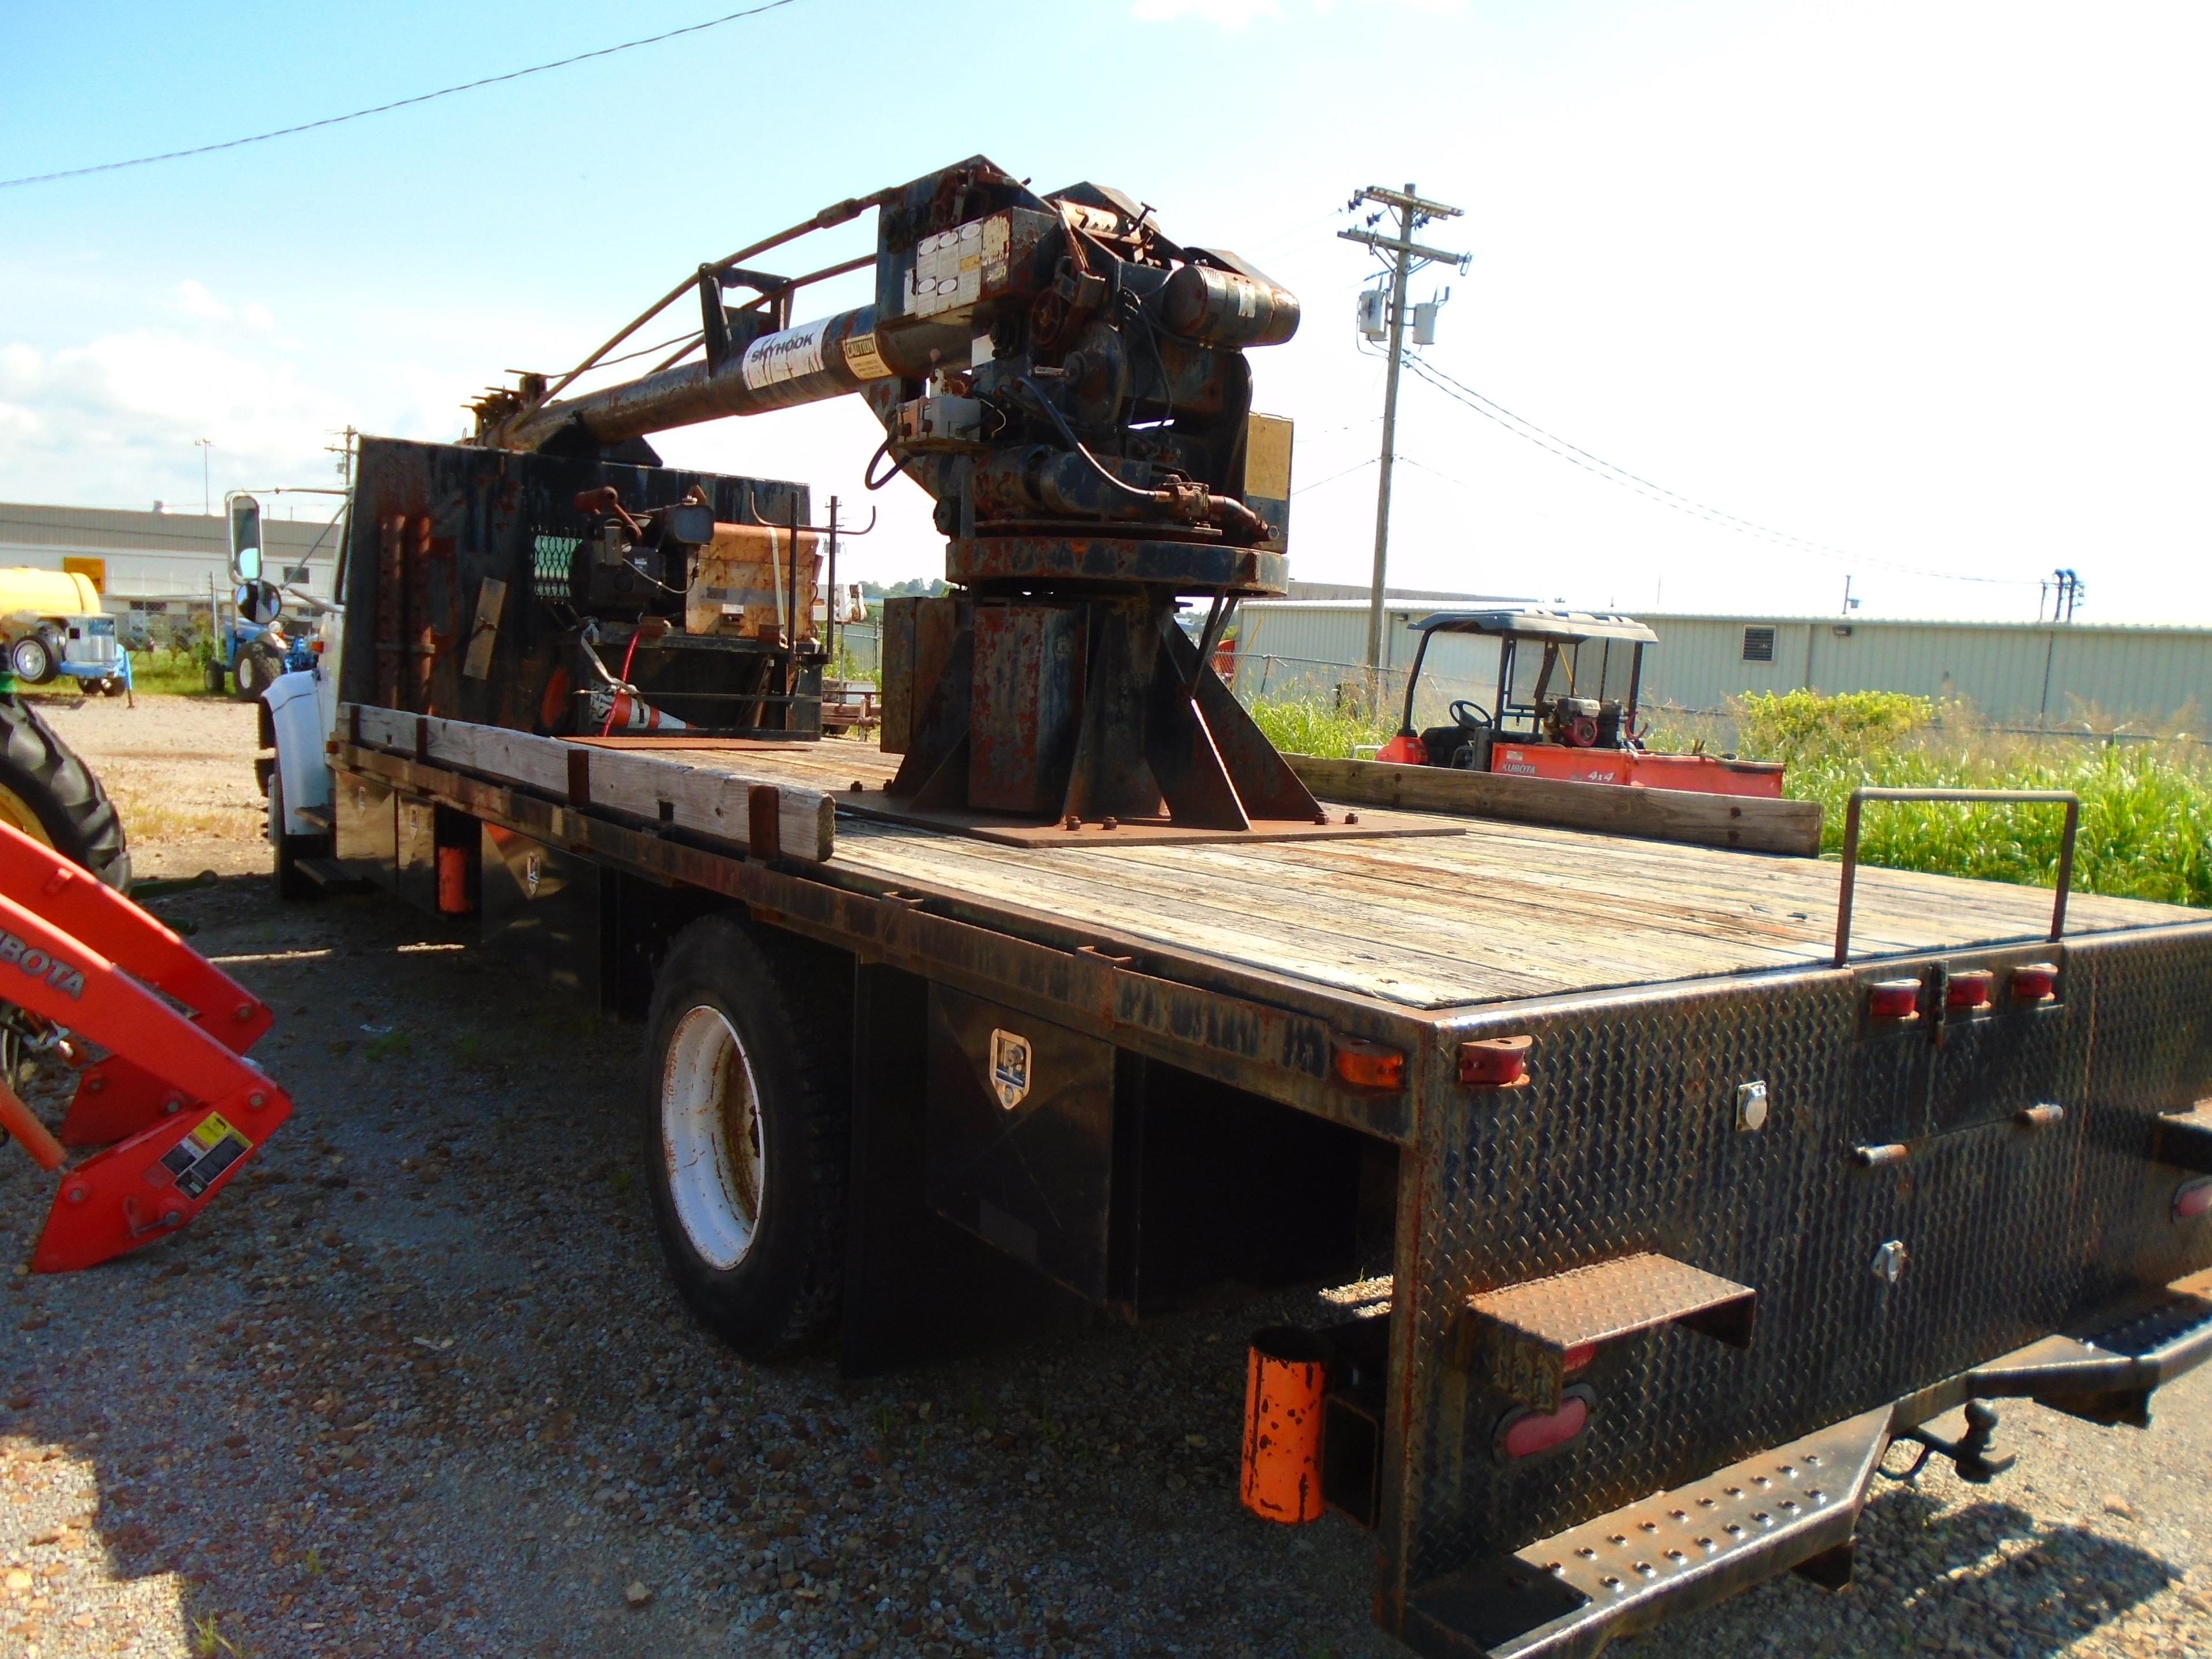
column 415, row 1384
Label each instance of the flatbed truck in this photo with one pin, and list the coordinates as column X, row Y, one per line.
column 1689, row 1177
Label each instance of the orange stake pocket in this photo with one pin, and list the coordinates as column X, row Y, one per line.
column 1286, row 1379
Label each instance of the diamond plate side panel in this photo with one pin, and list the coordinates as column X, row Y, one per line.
column 1626, row 1140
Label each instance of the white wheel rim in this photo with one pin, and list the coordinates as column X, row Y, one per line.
column 710, row 1135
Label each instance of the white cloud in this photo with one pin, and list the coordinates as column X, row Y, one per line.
column 194, row 301
column 116, row 421
column 257, row 315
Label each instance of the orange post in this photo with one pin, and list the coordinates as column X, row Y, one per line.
column 453, row 882
column 1285, row 1377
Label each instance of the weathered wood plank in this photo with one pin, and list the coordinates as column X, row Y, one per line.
column 712, row 800
column 1681, row 815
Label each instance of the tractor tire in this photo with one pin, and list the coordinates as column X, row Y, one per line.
column 33, row 659
column 252, row 674
column 745, row 1132
column 53, row 796
column 211, row 677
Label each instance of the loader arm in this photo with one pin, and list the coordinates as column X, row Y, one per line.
column 182, row 1104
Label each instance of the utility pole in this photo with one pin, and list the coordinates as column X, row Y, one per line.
column 343, row 450
column 1403, row 253
column 207, row 500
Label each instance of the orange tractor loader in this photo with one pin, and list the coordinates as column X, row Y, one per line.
column 156, row 1037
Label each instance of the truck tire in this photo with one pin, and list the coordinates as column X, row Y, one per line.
column 52, row 796
column 33, row 659
column 745, row 1136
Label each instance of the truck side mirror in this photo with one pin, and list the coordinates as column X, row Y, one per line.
column 244, row 539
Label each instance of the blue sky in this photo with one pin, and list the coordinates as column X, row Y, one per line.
column 1922, row 283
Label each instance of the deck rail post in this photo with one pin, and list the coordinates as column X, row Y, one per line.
column 1852, row 814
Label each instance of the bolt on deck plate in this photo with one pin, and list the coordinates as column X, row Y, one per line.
column 1532, row 1327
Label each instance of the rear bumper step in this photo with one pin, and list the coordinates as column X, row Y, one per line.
column 1797, row 1505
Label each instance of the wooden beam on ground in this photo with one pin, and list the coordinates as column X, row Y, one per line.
column 1743, row 821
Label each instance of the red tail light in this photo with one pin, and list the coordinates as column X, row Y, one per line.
column 1494, row 1062
column 1894, row 999
column 1969, row 992
column 2192, row 1199
column 2034, row 981
column 1525, row 1432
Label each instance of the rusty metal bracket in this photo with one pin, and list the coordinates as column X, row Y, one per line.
column 1537, row 1331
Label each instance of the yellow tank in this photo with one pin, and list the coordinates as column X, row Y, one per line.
column 26, row 589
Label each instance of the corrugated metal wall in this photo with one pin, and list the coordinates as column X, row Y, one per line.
column 145, row 556
column 2011, row 671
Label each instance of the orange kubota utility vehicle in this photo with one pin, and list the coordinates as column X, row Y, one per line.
column 1566, row 710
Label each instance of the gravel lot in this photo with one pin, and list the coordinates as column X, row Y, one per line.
column 415, row 1385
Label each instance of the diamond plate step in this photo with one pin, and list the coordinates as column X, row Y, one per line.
column 1531, row 1329
column 1565, row 1597
column 2184, row 1138
column 1797, row 1506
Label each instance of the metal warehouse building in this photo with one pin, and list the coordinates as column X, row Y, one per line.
column 150, row 562
column 2023, row 673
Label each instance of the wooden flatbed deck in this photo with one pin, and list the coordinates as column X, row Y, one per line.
column 1499, row 912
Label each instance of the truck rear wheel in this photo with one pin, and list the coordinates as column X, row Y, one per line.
column 745, row 1136
column 52, row 796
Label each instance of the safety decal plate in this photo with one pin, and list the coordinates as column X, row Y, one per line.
column 198, row 1161
column 864, row 358
column 1010, row 1068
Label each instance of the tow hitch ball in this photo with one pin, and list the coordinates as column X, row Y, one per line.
column 1970, row 1451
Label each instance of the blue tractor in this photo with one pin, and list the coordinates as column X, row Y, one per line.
column 251, row 646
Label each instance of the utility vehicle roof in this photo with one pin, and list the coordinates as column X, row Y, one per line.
column 1538, row 622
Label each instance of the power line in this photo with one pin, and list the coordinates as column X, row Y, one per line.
column 400, row 103
column 1621, row 474
column 1372, row 461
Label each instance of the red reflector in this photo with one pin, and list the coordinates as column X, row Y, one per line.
column 1367, row 1064
column 1969, row 991
column 1578, row 1356
column 1404, row 749
column 1493, row 1062
column 2033, row 982
column 1525, row 1432
column 1893, row 998
column 2193, row 1200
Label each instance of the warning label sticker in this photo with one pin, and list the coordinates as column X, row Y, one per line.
column 198, row 1161
column 863, row 359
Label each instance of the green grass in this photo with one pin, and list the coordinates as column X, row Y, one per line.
column 1312, row 727
column 2146, row 808
column 174, row 672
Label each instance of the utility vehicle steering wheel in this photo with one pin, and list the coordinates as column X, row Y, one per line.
column 1461, row 718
